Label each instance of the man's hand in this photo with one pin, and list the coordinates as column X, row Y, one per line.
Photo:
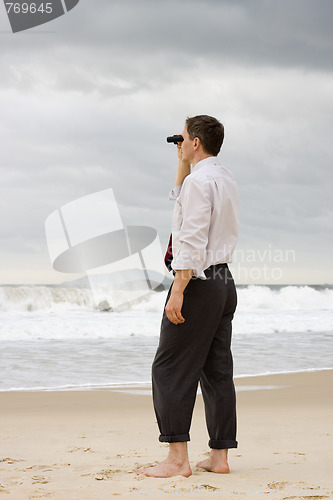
column 179, row 151
column 175, row 302
column 184, row 166
column 174, row 307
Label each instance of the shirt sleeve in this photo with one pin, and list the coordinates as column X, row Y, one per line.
column 193, row 232
column 174, row 193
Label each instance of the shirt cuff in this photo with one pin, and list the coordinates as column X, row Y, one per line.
column 175, row 192
column 179, row 264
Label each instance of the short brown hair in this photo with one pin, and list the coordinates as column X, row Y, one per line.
column 209, row 130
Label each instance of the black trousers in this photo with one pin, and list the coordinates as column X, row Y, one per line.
column 198, row 350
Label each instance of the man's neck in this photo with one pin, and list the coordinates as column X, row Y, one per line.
column 200, row 157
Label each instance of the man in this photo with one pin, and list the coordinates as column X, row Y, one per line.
column 196, row 326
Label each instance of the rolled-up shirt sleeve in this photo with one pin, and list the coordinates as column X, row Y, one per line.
column 191, row 226
column 174, row 193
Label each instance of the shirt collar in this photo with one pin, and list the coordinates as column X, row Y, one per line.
column 211, row 160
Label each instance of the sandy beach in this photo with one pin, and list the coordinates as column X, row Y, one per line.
column 86, row 444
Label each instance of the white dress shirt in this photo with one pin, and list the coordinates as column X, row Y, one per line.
column 205, row 218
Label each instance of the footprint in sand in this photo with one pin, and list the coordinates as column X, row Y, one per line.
column 80, row 449
column 3, row 488
column 40, row 480
column 278, row 485
column 42, row 468
column 209, row 487
column 40, row 493
column 295, row 453
column 106, row 474
column 10, row 460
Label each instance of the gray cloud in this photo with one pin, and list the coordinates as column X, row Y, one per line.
column 88, row 101
column 153, row 24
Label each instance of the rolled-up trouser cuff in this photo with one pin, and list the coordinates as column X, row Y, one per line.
column 174, row 439
column 218, row 444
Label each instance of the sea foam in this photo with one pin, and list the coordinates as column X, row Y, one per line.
column 250, row 298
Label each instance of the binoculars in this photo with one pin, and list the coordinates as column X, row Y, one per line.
column 175, row 138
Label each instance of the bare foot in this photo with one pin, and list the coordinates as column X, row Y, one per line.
column 217, row 462
column 167, row 469
column 211, row 467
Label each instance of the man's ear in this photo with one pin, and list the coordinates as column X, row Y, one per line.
column 196, row 142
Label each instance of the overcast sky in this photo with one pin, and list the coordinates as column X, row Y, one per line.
column 88, row 99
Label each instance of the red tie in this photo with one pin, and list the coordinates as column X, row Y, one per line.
column 168, row 255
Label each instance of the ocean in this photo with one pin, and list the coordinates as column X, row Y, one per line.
column 54, row 338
